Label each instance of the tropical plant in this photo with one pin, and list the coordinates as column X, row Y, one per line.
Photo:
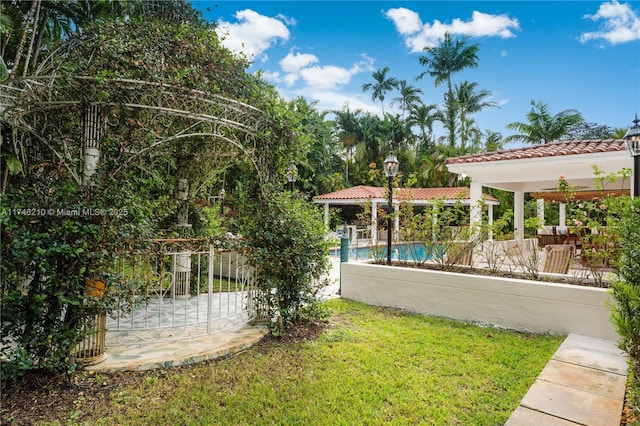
column 470, row 101
column 597, row 221
column 493, row 141
column 444, row 230
column 625, row 312
column 409, row 96
column 542, row 127
column 286, row 237
column 423, row 117
column 61, row 225
column 346, row 129
column 382, row 85
column 584, row 130
column 451, row 56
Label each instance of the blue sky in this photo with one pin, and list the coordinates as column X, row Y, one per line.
column 582, row 55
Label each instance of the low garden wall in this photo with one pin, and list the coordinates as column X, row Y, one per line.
column 523, row 305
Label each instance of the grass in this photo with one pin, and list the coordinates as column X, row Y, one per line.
column 369, row 366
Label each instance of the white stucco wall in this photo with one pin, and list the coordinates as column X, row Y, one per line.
column 518, row 304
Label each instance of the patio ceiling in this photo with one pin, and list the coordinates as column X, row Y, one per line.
column 537, row 168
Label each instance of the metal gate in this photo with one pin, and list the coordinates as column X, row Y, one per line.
column 180, row 289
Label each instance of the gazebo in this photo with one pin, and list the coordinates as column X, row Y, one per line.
column 536, row 170
column 359, row 195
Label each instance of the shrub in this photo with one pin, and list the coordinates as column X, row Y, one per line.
column 56, row 236
column 286, row 237
column 626, row 292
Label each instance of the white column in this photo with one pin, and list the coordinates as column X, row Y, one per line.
column 475, row 196
column 326, row 217
column 374, row 223
column 540, row 210
column 518, row 215
column 490, row 220
column 563, row 215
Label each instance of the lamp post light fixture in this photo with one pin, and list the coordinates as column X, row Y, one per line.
column 632, row 142
column 390, row 165
column 222, row 192
column 292, row 174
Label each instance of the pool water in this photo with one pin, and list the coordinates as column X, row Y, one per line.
column 405, row 251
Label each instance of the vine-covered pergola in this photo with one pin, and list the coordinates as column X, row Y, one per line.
column 172, row 113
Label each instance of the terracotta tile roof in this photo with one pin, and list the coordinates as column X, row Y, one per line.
column 363, row 192
column 553, row 149
column 354, row 193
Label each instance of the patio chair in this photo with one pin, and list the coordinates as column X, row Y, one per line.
column 460, row 254
column 558, row 258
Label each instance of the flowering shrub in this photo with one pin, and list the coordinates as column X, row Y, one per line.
column 596, row 222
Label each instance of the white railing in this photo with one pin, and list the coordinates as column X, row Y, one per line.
column 178, row 290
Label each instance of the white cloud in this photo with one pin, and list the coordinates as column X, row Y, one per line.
column 305, row 66
column 417, row 35
column 406, row 21
column 253, row 34
column 620, row 24
column 294, row 62
column 330, row 100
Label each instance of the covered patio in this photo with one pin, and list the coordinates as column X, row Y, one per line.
column 536, row 170
column 362, row 194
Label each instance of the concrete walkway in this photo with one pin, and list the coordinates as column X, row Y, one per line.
column 583, row 384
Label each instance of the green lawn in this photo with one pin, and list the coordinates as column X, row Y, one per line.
column 370, row 366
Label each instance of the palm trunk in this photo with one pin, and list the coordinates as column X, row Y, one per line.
column 23, row 38
column 36, row 20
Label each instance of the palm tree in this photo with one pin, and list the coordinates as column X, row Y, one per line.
column 423, row 116
column 372, row 138
column 409, row 95
column 347, row 127
column 542, row 127
column 469, row 132
column 449, row 57
column 493, row 141
column 382, row 85
column 468, row 101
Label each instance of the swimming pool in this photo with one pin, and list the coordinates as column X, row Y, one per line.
column 402, row 251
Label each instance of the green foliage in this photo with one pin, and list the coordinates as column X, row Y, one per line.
column 286, row 237
column 443, row 228
column 56, row 236
column 59, row 228
column 597, row 222
column 625, row 312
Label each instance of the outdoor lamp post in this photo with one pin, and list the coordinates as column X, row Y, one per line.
column 222, row 192
column 390, row 165
column 292, row 174
column 632, row 142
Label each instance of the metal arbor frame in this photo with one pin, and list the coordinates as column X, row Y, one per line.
column 172, row 113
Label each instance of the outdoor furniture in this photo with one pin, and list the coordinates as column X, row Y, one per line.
column 551, row 235
column 460, row 254
column 558, row 258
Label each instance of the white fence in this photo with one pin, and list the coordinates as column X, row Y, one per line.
column 178, row 290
